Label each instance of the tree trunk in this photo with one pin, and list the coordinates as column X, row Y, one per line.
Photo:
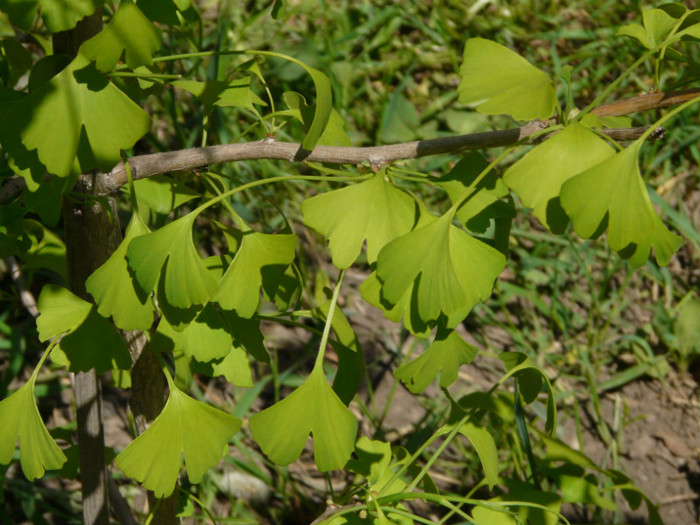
column 92, row 234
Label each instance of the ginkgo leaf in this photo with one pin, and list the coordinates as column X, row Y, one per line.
column 380, row 213
column 205, row 338
column 20, row 418
column 499, row 81
column 480, row 438
column 657, row 26
column 283, row 429
column 60, row 311
column 237, row 93
column 171, row 251
column 128, row 32
column 374, row 463
column 239, row 288
column 234, row 366
column 615, row 188
column 538, row 176
column 485, row 446
column 113, row 289
column 449, row 270
column 77, row 100
column 185, row 427
column 446, row 354
column 59, row 15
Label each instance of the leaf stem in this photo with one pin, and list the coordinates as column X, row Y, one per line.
column 270, row 180
column 329, row 321
column 46, row 353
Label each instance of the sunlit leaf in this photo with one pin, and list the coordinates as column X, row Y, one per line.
column 448, row 270
column 77, row 100
column 380, row 213
column 128, row 32
column 283, row 429
column 446, row 354
column 615, row 188
column 114, row 291
column 499, row 81
column 237, row 93
column 235, row 367
column 171, row 251
column 20, row 418
column 90, row 340
column 185, row 427
column 60, row 311
column 375, row 463
column 657, row 26
column 538, row 176
column 579, row 489
column 485, row 447
column 239, row 288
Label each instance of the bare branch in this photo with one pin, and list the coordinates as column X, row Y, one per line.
column 645, row 102
column 143, row 166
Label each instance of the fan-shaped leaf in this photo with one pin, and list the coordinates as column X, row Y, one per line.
column 373, row 210
column 239, row 288
column 283, row 429
column 657, row 26
column 538, row 176
column 499, row 81
column 446, row 354
column 615, row 188
column 184, row 427
column 171, row 251
column 77, row 100
column 445, row 270
column 21, row 420
column 61, row 311
column 113, row 288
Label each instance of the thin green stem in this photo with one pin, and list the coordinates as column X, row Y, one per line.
column 271, row 180
column 329, row 322
column 46, row 353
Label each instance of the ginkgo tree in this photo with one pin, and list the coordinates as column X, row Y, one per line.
column 77, row 120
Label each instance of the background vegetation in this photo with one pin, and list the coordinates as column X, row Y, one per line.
column 590, row 323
